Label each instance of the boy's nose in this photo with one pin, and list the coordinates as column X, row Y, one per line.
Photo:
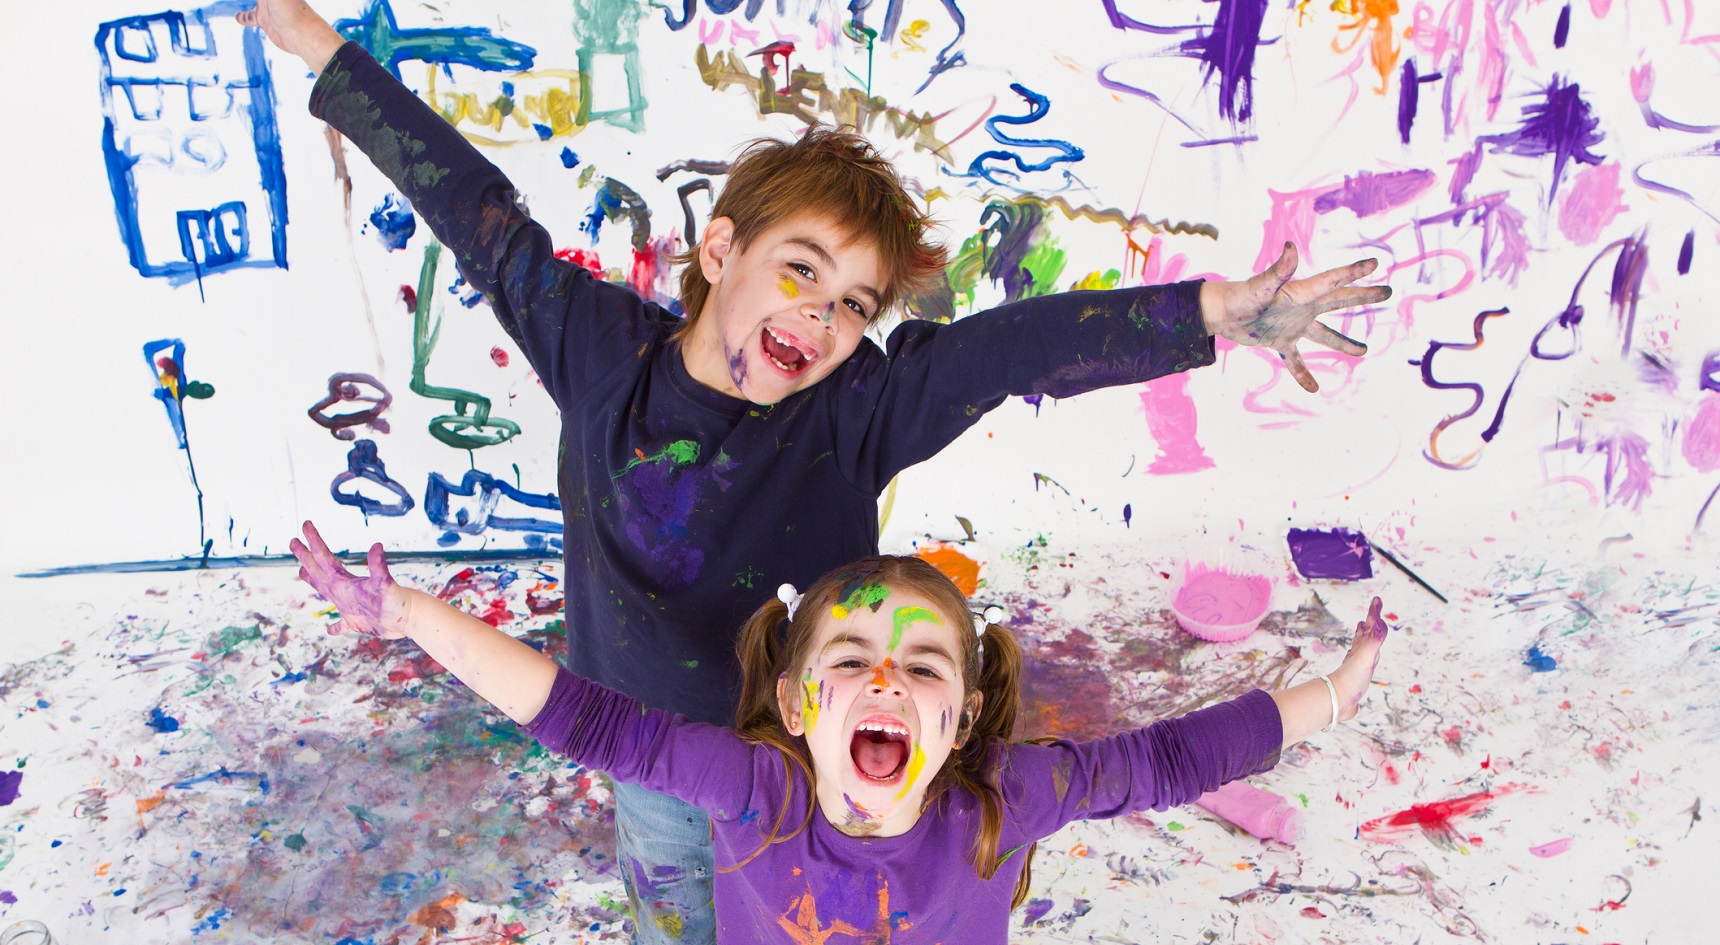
column 823, row 314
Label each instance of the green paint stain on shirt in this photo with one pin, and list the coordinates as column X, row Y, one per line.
column 904, row 617
column 678, row 453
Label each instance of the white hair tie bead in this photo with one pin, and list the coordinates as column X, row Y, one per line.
column 992, row 614
column 788, row 595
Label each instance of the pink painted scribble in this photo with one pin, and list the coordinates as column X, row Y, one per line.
column 1592, row 203
column 1172, row 421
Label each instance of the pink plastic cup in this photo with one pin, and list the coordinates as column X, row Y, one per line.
column 1218, row 605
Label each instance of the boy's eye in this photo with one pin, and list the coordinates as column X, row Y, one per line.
column 802, row 268
column 859, row 309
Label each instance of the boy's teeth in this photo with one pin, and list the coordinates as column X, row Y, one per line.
column 778, row 363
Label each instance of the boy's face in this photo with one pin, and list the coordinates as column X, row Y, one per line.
column 782, row 313
column 880, row 702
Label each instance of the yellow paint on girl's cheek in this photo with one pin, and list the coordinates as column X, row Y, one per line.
column 809, row 700
column 788, row 288
column 916, row 761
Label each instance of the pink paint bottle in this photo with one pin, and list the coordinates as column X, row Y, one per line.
column 1262, row 813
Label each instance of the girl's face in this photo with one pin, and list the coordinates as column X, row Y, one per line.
column 881, row 702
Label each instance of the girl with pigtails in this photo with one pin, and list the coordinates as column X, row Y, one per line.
column 871, row 788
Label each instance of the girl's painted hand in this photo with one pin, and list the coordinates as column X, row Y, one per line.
column 1273, row 311
column 1357, row 672
column 373, row 605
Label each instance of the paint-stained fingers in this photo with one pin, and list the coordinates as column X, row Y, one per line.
column 1299, row 370
column 378, row 564
column 320, row 549
column 310, row 570
column 1343, row 344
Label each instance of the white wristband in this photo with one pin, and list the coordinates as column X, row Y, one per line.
column 1332, row 691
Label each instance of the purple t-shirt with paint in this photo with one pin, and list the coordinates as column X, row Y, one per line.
column 685, row 508
column 920, row 886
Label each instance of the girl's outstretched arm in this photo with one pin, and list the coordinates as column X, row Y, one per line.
column 1307, row 708
column 509, row 674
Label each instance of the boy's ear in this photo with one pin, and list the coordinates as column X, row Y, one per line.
column 714, row 248
column 791, row 719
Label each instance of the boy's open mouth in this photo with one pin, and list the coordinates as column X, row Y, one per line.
column 880, row 749
column 782, row 352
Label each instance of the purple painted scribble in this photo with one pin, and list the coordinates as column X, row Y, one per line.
column 1479, row 393
column 1339, row 554
column 1368, row 193
column 1229, row 51
column 1709, row 377
column 1642, row 89
column 344, row 388
column 1562, row 31
column 9, row 781
column 1409, row 92
column 1629, row 476
column 1560, row 124
column 1686, row 252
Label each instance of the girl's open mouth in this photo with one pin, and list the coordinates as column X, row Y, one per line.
column 880, row 750
column 782, row 352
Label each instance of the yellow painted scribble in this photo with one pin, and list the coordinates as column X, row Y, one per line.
column 916, row 761
column 914, row 31
column 807, row 97
column 555, row 105
column 788, row 288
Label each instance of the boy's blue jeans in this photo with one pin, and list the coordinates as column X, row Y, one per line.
column 664, row 848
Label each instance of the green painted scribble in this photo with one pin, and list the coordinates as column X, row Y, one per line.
column 609, row 28
column 905, row 616
column 865, row 595
column 1015, row 248
column 461, row 430
column 229, row 639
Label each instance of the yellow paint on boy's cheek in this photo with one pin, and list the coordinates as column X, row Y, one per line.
column 916, row 761
column 788, row 288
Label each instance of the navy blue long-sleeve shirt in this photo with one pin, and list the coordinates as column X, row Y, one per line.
column 685, row 508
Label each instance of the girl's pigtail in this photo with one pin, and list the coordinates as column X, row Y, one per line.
column 758, row 648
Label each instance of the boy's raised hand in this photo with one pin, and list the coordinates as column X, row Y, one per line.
column 373, row 605
column 295, row 28
column 1357, row 672
column 1274, row 311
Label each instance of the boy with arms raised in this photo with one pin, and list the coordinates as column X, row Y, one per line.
column 746, row 445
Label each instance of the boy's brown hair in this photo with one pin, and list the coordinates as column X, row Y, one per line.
column 829, row 172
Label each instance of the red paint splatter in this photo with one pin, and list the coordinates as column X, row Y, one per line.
column 1392, row 775
column 499, row 356
column 1435, row 820
column 417, row 667
column 581, row 257
column 1312, row 913
column 408, row 295
column 1415, row 690
column 1454, row 737
column 539, row 601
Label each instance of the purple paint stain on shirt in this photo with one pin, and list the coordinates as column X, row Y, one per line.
column 9, row 781
column 1339, row 554
column 1367, row 193
column 660, row 498
column 1560, row 124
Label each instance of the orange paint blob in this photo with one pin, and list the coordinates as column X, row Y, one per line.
column 962, row 570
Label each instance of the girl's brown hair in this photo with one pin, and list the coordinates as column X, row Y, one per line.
column 831, row 173
column 772, row 647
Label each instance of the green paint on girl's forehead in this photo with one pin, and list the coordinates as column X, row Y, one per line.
column 858, row 594
column 908, row 615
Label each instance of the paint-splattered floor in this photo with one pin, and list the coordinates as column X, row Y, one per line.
column 202, row 762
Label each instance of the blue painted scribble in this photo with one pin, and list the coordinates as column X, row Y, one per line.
column 227, row 136
column 481, row 516
column 166, row 360
column 616, row 200
column 394, row 222
column 1038, row 106
column 363, row 463
column 377, row 31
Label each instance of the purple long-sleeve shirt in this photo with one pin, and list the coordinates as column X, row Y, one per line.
column 919, row 887
column 683, row 507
